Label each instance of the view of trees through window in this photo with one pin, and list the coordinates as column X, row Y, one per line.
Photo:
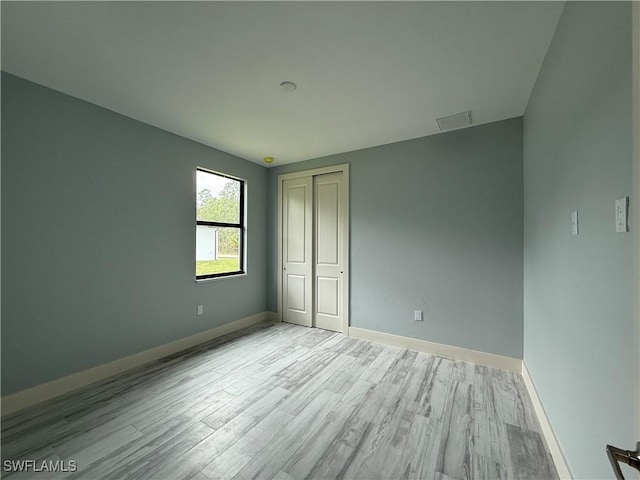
column 218, row 224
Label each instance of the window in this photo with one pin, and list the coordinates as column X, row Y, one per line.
column 219, row 225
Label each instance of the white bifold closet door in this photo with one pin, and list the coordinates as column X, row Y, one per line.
column 313, row 251
column 297, row 261
column 328, row 251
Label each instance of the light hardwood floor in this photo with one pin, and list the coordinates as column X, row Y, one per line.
column 281, row 402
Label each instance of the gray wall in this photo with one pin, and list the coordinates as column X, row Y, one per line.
column 578, row 290
column 98, row 237
column 436, row 225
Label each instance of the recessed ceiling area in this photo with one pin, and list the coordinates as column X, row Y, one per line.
column 367, row 73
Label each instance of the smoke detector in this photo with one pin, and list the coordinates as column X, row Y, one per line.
column 288, row 87
column 452, row 122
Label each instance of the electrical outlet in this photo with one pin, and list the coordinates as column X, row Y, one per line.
column 622, row 222
column 417, row 315
column 574, row 223
column 200, row 309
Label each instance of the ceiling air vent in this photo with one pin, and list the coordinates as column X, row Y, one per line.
column 452, row 122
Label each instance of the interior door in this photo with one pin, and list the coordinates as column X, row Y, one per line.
column 328, row 251
column 297, row 258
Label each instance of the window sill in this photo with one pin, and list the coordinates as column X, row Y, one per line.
column 224, row 277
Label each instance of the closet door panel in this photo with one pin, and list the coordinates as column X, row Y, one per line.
column 297, row 268
column 328, row 251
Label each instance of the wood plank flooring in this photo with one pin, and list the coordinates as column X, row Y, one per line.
column 285, row 402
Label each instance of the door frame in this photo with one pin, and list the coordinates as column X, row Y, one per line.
column 344, row 168
column 635, row 194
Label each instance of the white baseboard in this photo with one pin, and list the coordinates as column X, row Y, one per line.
column 40, row 393
column 488, row 359
column 547, row 430
column 456, row 353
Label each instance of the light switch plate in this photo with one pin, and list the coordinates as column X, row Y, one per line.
column 574, row 223
column 622, row 224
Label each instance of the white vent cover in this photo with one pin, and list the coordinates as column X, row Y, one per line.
column 452, row 122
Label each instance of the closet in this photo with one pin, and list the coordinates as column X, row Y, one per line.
column 313, row 247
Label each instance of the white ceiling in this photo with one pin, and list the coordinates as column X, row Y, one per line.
column 368, row 73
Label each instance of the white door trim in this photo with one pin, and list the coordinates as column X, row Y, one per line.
column 635, row 194
column 344, row 168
